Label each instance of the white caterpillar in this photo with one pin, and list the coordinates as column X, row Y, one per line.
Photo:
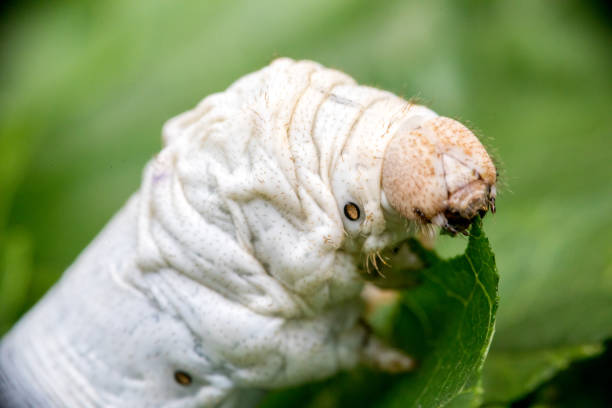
column 237, row 266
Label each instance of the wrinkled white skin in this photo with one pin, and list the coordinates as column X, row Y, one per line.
column 234, row 261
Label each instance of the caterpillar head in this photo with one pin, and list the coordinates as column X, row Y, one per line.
column 438, row 172
column 408, row 173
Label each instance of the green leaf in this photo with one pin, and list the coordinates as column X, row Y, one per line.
column 555, row 300
column 585, row 384
column 509, row 375
column 446, row 322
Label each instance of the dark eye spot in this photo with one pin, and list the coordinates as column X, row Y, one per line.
column 395, row 250
column 351, row 211
column 182, row 378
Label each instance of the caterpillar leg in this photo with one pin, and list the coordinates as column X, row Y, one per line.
column 375, row 297
column 376, row 353
column 380, row 356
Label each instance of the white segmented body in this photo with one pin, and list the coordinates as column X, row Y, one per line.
column 233, row 265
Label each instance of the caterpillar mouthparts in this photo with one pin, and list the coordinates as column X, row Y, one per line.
column 471, row 200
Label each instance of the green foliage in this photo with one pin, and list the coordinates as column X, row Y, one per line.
column 512, row 374
column 86, row 86
column 581, row 385
column 558, row 300
column 448, row 323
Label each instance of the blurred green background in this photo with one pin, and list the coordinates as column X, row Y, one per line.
column 85, row 87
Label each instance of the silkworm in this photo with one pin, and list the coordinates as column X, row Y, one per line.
column 237, row 266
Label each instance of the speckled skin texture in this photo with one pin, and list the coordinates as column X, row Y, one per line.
column 234, row 262
column 435, row 167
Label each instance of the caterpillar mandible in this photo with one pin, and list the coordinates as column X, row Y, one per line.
column 237, row 266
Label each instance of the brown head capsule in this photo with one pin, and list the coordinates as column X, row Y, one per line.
column 439, row 172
